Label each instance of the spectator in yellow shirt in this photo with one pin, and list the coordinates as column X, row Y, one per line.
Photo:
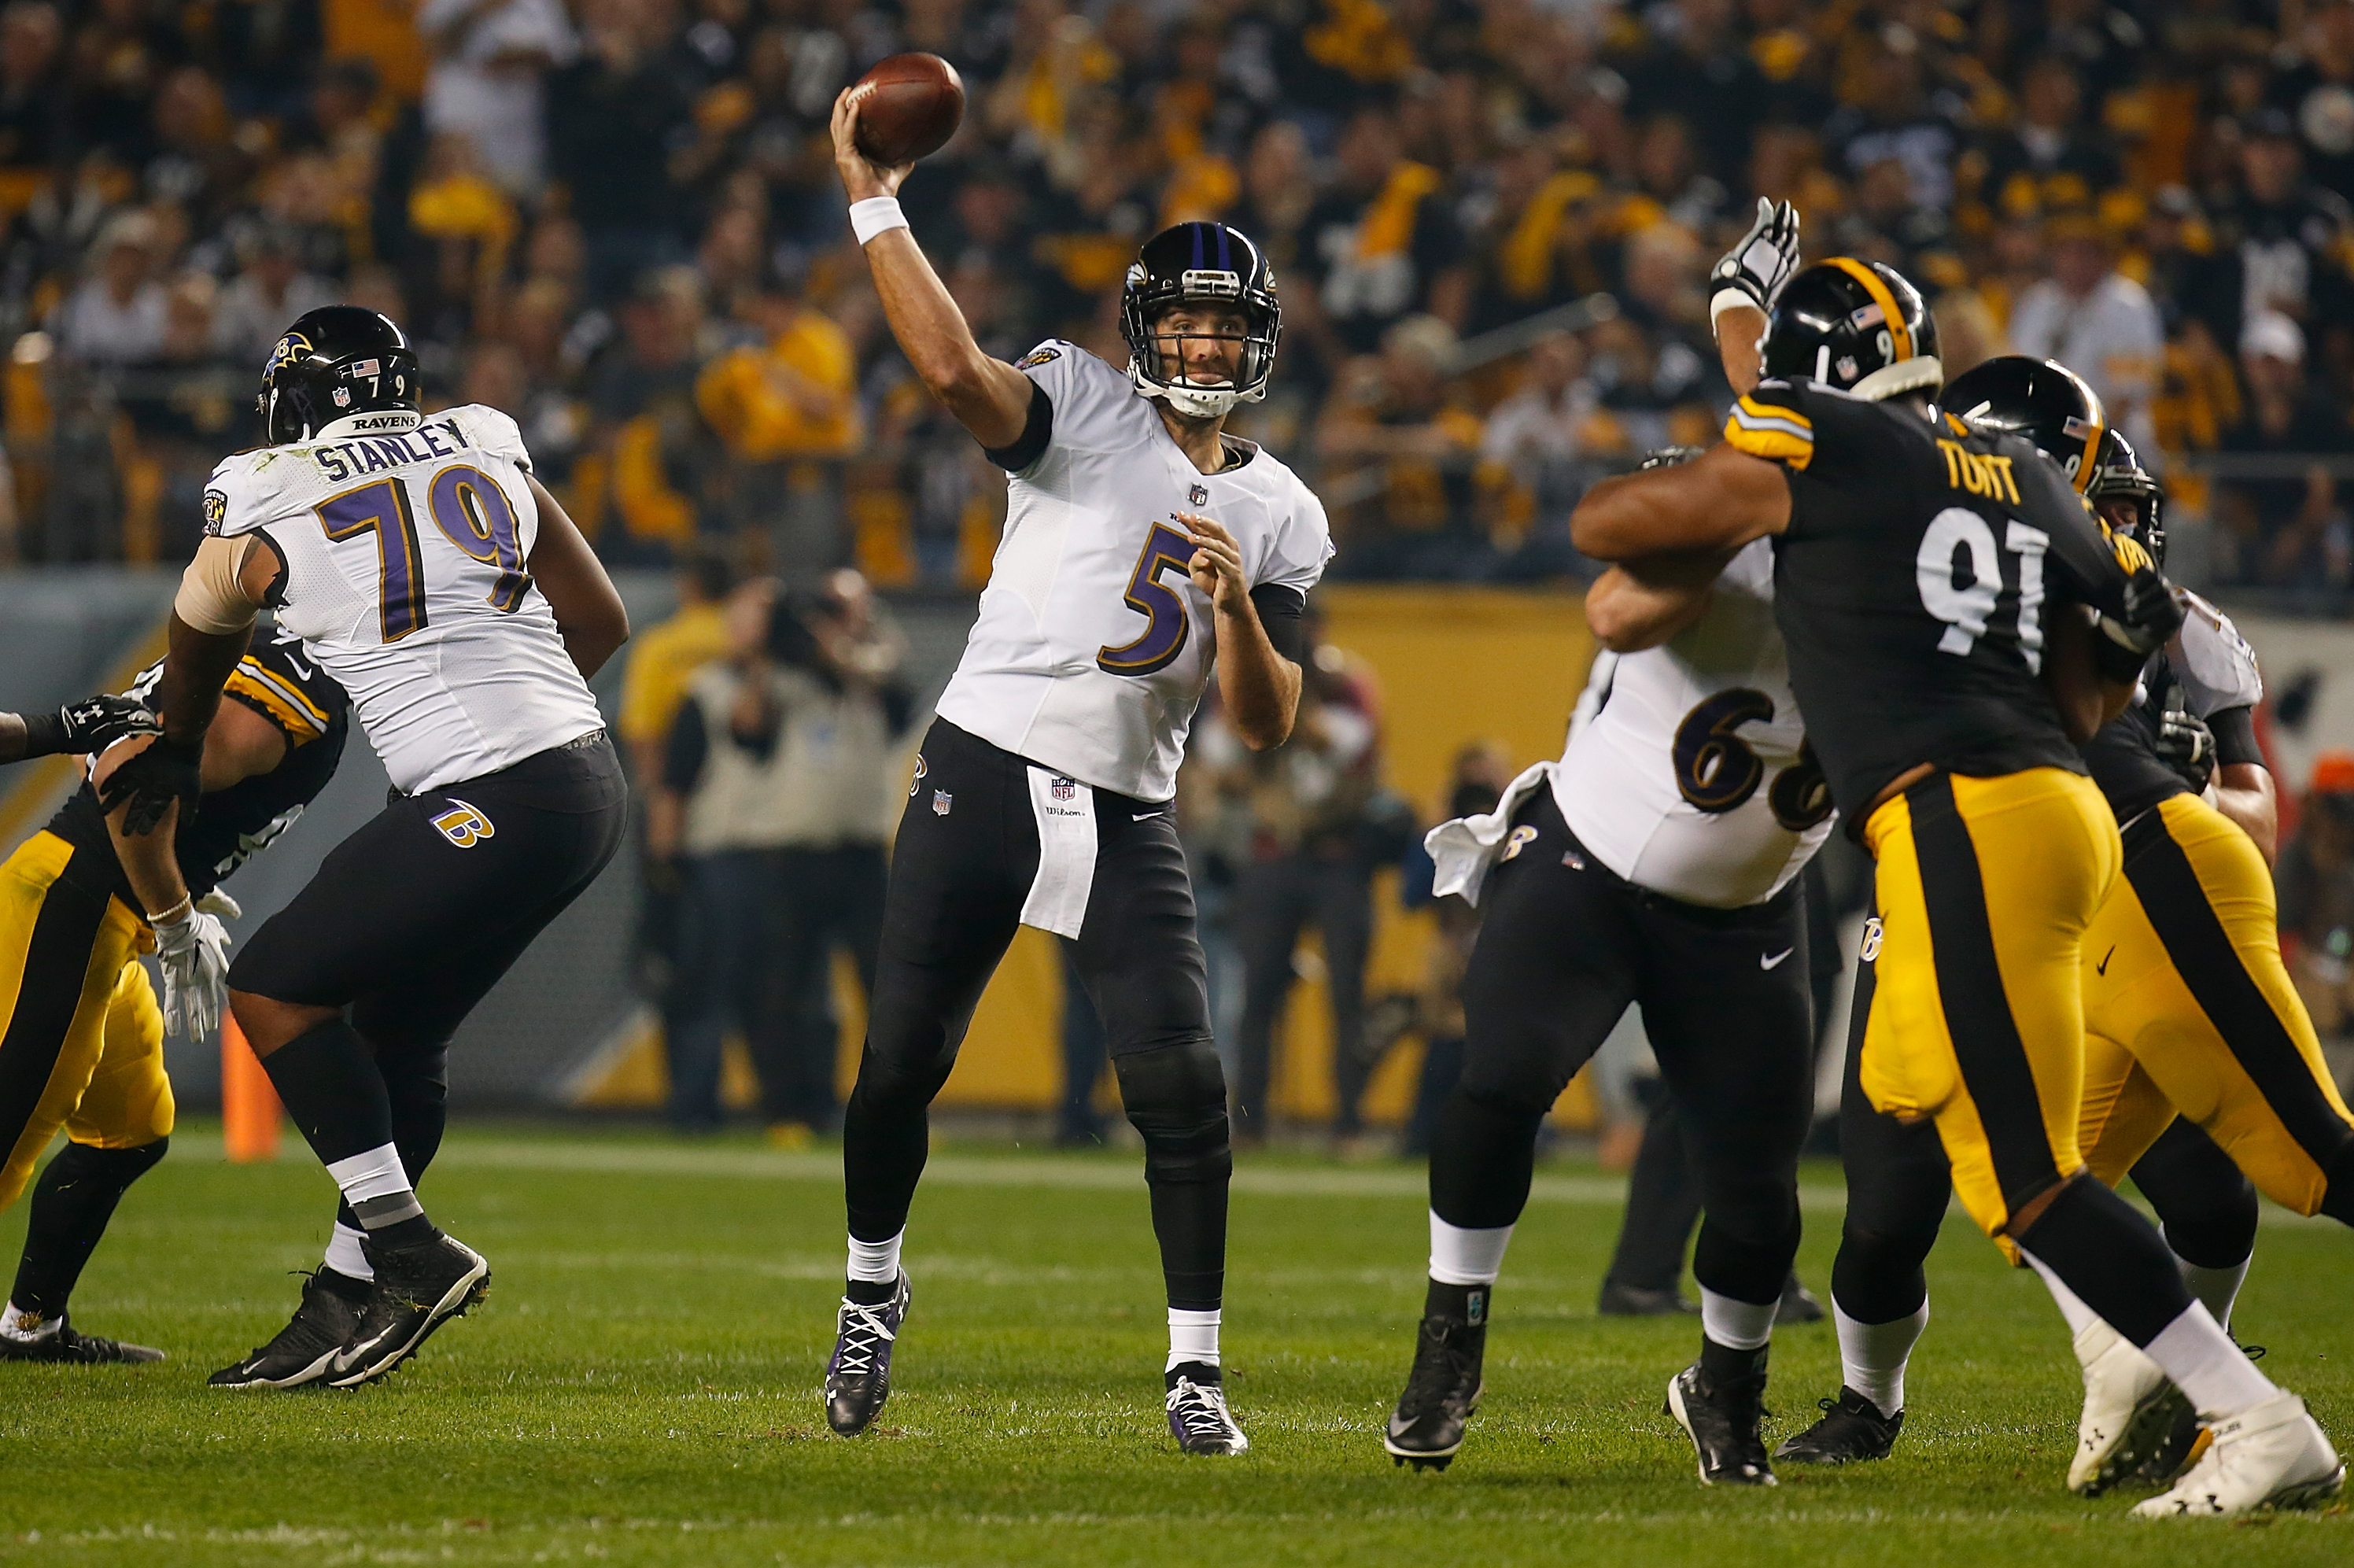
column 791, row 403
column 796, row 397
column 663, row 658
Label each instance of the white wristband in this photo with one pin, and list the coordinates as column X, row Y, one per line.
column 876, row 215
column 1726, row 300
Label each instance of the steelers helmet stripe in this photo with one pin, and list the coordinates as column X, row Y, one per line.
column 1899, row 333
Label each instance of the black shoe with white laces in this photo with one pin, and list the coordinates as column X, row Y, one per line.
column 1198, row 1416
column 858, row 1378
column 1441, row 1392
column 1851, row 1430
column 1721, row 1419
column 417, row 1289
column 304, row 1350
column 64, row 1347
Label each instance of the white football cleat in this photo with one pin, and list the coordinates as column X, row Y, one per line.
column 2270, row 1456
column 2128, row 1410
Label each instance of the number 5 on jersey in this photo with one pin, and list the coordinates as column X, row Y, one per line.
column 471, row 512
column 1166, row 622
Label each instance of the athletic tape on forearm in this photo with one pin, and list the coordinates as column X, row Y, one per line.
column 876, row 215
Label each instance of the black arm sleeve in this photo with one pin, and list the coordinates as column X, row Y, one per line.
column 1282, row 610
column 684, row 754
column 2236, row 736
column 1037, row 430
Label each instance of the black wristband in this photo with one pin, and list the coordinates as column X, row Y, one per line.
column 45, row 734
column 2236, row 737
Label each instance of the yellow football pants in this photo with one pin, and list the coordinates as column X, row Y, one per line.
column 81, row 1039
column 1986, row 887
column 2187, row 1007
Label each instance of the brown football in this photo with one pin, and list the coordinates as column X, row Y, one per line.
column 909, row 107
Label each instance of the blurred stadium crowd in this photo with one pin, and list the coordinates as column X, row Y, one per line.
column 1490, row 218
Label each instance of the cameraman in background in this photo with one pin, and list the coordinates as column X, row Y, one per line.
column 774, row 803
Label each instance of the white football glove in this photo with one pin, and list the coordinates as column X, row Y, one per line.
column 218, row 902
column 192, row 945
column 1754, row 269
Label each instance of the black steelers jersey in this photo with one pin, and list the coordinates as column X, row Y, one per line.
column 1914, row 583
column 306, row 706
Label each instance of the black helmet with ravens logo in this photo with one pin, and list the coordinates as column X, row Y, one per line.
column 335, row 361
column 1858, row 327
column 1201, row 263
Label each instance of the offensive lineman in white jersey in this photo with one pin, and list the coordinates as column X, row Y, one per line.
column 1656, row 862
column 1141, row 544
column 423, row 566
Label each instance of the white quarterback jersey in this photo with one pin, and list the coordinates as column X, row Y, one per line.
column 1694, row 780
column 406, row 539
column 1093, row 645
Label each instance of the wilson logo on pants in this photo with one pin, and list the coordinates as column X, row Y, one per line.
column 463, row 825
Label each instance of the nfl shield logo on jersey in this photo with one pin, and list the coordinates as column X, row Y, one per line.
column 941, row 801
column 1199, row 495
column 1062, row 789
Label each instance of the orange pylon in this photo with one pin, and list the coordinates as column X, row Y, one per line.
column 250, row 1109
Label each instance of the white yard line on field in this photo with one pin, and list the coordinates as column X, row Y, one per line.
column 1081, row 1174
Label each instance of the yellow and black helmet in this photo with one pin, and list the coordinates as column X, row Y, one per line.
column 1858, row 327
column 2041, row 400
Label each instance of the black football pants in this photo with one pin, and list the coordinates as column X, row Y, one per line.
column 966, row 857
column 1567, row 946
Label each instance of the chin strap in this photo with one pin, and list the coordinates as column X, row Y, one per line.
column 1196, row 403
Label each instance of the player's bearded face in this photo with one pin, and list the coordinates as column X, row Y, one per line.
column 1201, row 345
column 2122, row 513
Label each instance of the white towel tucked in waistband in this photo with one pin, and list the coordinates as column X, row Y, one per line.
column 1065, row 810
column 1466, row 849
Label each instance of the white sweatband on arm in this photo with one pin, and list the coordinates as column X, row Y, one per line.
column 211, row 600
column 876, row 215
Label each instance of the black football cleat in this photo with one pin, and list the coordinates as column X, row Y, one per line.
column 417, row 1289
column 1441, row 1392
column 1851, row 1430
column 858, row 1378
column 68, row 1347
column 1639, row 1301
column 1722, row 1421
column 1198, row 1416
column 304, row 1350
column 2178, row 1444
column 1798, row 1305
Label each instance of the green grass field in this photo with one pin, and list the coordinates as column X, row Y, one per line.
column 642, row 1386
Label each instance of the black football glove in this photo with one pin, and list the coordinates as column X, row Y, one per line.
column 1754, row 269
column 2151, row 617
column 88, row 725
column 2186, row 745
column 1667, row 457
column 166, row 771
